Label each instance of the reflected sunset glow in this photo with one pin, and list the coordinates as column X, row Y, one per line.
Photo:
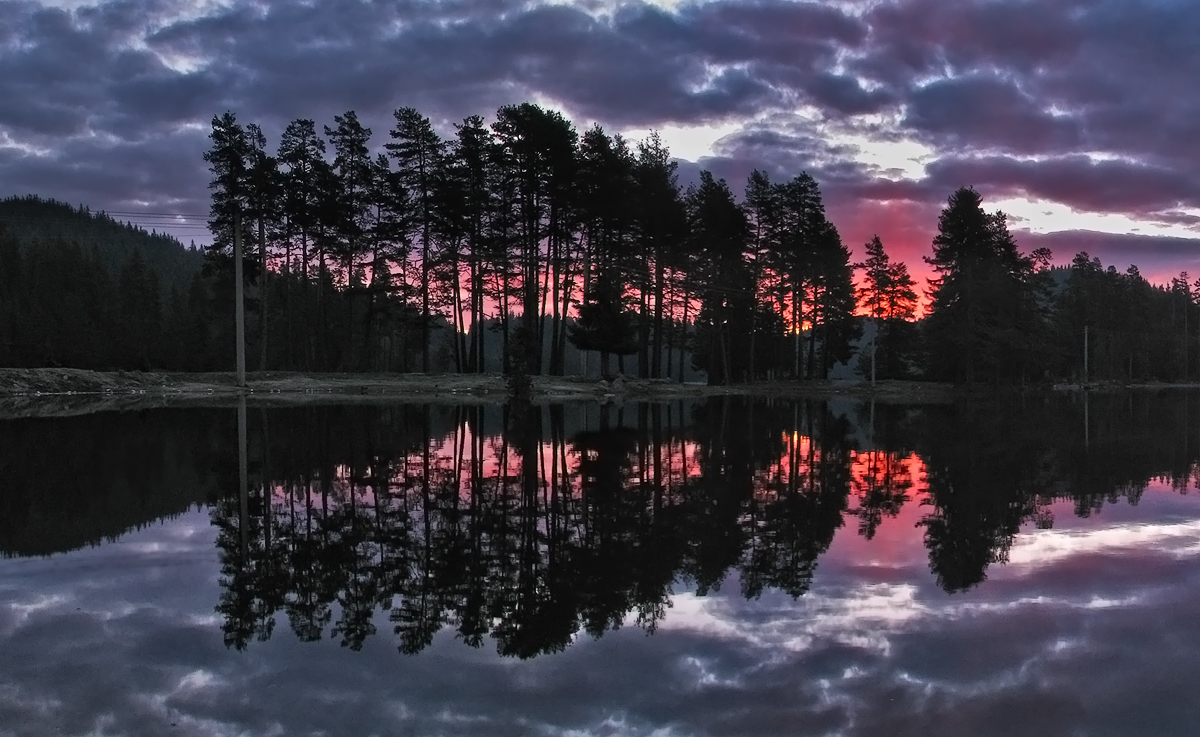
column 651, row 567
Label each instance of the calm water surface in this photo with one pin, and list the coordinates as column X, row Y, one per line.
column 725, row 568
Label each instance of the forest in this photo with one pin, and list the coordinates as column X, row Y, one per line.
column 526, row 247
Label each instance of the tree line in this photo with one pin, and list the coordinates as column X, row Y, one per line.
column 521, row 245
column 67, row 305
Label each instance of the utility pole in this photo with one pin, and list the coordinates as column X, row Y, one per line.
column 1085, row 354
column 239, row 305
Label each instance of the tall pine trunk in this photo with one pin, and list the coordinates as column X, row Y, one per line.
column 659, row 289
column 460, row 325
column 683, row 333
column 262, row 289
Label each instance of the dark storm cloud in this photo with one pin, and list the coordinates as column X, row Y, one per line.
column 987, row 112
column 919, row 38
column 784, row 147
column 164, row 171
column 69, row 72
column 641, row 65
column 118, row 83
column 845, row 94
column 1054, row 79
column 98, row 78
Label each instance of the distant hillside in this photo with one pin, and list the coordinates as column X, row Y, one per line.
column 31, row 219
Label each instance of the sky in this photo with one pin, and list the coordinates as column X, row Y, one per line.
column 1077, row 118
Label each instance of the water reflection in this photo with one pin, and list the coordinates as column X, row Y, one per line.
column 70, row 482
column 524, row 532
column 530, row 526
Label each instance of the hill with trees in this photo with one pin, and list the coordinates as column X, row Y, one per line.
column 79, row 289
column 32, row 219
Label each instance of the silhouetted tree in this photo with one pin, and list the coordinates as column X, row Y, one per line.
column 719, row 232
column 418, row 151
column 985, row 321
column 605, row 323
column 888, row 295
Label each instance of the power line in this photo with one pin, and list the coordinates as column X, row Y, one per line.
column 60, row 219
column 141, row 213
column 137, row 213
column 106, row 216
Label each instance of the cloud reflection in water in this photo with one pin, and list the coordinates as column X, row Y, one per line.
column 1087, row 628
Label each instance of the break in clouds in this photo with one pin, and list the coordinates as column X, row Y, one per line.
column 1084, row 104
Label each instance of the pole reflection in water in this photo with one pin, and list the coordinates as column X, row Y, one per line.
column 243, row 480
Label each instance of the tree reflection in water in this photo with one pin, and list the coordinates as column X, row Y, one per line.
column 531, row 525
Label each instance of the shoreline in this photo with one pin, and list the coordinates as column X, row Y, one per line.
column 55, row 392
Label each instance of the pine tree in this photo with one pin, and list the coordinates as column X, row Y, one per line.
column 764, row 212
column 266, row 200
column 355, row 175
column 834, row 323
column 302, row 152
column 660, row 223
column 983, row 321
column 889, row 296
column 541, row 149
column 469, row 155
column 719, row 234
column 229, row 161
column 793, row 258
column 418, row 151
column 605, row 192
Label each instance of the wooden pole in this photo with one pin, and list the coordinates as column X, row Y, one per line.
column 1085, row 354
column 239, row 305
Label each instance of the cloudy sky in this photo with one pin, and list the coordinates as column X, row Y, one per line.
column 1077, row 118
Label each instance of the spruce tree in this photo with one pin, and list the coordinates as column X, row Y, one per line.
column 605, row 323
column 984, row 316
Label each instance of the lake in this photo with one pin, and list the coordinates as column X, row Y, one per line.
column 711, row 567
